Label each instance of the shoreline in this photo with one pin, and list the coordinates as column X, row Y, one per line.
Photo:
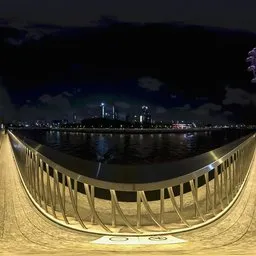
column 124, row 130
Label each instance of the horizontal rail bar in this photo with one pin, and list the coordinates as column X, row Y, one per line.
column 220, row 155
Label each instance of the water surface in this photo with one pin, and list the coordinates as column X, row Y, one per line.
column 134, row 148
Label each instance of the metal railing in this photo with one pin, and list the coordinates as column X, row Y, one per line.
column 65, row 189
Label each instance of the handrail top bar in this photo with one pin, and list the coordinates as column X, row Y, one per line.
column 168, row 174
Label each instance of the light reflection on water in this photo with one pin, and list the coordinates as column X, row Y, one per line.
column 133, row 148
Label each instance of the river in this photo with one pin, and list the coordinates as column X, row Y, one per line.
column 133, row 148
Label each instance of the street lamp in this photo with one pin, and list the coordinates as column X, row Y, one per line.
column 251, row 59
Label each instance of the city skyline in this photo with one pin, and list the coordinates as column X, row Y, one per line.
column 63, row 105
column 29, row 112
column 108, row 64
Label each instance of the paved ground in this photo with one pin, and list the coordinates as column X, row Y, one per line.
column 24, row 231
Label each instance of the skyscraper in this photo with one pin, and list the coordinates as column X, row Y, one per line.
column 146, row 116
column 113, row 112
column 102, row 105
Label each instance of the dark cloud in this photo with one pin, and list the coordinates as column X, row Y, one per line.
column 227, row 113
column 7, row 109
column 232, row 14
column 206, row 109
column 122, row 104
column 184, row 108
column 67, row 94
column 47, row 107
column 238, row 96
column 209, row 112
column 91, row 105
column 149, row 83
column 160, row 110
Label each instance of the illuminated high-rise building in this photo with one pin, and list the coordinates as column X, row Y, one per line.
column 102, row 105
column 146, row 116
column 113, row 112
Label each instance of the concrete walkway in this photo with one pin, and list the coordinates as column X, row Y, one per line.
column 24, row 231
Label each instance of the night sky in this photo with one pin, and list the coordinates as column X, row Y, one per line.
column 228, row 13
column 185, row 61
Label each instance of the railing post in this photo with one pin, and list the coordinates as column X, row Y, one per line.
column 29, row 172
column 221, row 180
column 238, row 168
column 233, row 174
column 149, row 210
column 64, row 190
column 196, row 196
column 179, row 213
column 230, row 178
column 162, row 205
column 206, row 177
column 78, row 217
column 208, row 194
column 215, row 190
column 49, row 191
column 138, row 220
column 119, row 210
column 113, row 211
column 93, row 203
column 75, row 191
column 43, row 184
column 181, row 196
column 236, row 171
column 62, row 208
column 93, row 210
column 216, row 179
column 34, row 174
column 38, row 181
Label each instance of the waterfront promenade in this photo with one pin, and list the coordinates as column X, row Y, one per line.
column 25, row 231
